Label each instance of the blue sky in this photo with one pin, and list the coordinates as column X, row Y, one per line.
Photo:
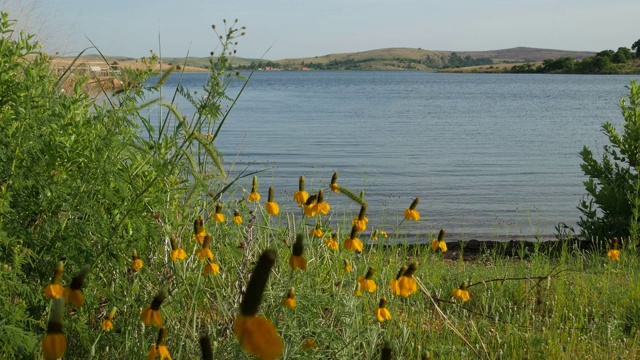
column 303, row 28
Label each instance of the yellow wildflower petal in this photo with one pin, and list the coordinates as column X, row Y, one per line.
column 74, row 296
column 136, row 264
column 53, row 291
column 258, row 336
column 272, row 207
column 300, row 196
column 298, row 262
column 53, row 346
column 382, row 314
column 211, row 267
column 178, row 254
column 253, row 196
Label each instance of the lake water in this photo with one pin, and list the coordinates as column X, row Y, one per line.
column 489, row 155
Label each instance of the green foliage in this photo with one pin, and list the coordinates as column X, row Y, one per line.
column 621, row 56
column 636, row 47
column 604, row 62
column 88, row 182
column 565, row 64
column 609, row 208
column 456, row 60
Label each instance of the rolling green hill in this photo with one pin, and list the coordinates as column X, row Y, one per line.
column 420, row 59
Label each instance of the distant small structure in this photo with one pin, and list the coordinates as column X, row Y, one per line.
column 99, row 70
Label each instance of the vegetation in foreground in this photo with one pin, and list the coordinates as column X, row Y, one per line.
column 124, row 236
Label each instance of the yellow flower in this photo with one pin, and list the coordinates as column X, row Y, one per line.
column 375, row 234
column 322, row 207
column 614, row 254
column 254, row 196
column 439, row 242
column 219, row 216
column 411, row 213
column 406, row 283
column 310, row 210
column 381, row 312
column 309, row 206
column 198, row 230
column 347, row 266
column 159, row 348
column 309, row 345
column 361, row 225
column 107, row 325
column 237, row 219
column 204, row 252
column 54, row 344
column 256, row 334
column 395, row 284
column 361, row 221
column 297, row 259
column 151, row 314
column 136, row 263
column 178, row 254
column 435, row 245
column 301, row 195
column 73, row 294
column 107, row 322
column 332, row 242
column 316, row 231
column 352, row 243
column 272, row 206
column 334, row 183
column 366, row 282
column 290, row 300
column 211, row 267
column 55, row 290
column 461, row 293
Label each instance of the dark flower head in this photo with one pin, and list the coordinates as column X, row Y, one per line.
column 257, row 283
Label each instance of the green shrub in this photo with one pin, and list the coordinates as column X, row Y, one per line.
column 88, row 182
column 611, row 206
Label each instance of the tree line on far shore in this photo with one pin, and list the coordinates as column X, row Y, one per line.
column 604, row 62
column 453, row 60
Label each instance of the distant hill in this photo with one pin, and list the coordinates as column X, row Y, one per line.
column 526, row 54
column 379, row 59
column 420, row 59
